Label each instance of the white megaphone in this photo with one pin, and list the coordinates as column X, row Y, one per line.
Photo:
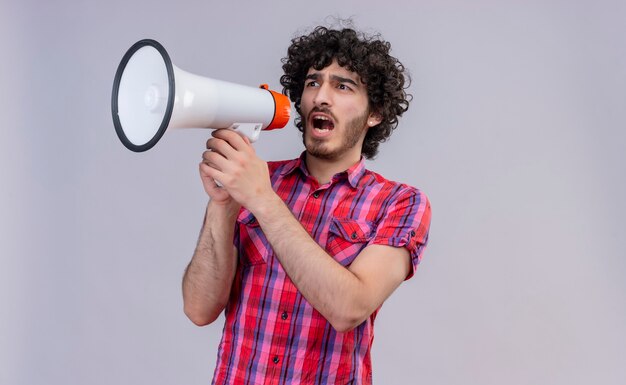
column 151, row 95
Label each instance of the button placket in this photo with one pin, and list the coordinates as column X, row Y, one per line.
column 309, row 210
column 277, row 352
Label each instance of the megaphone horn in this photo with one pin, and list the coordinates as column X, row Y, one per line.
column 151, row 95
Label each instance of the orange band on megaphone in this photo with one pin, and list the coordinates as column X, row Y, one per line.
column 282, row 109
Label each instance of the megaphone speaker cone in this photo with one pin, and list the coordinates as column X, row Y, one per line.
column 143, row 95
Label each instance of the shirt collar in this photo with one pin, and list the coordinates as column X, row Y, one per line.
column 295, row 164
column 354, row 173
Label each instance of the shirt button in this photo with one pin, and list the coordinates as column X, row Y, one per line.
column 276, row 359
column 284, row 315
column 316, row 194
column 353, row 235
column 412, row 233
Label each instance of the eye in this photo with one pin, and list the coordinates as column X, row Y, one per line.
column 312, row 83
column 344, row 87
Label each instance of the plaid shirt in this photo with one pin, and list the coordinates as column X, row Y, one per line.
column 272, row 335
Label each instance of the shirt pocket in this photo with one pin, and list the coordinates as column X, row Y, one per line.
column 253, row 246
column 347, row 238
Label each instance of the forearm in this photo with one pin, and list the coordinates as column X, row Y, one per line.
column 344, row 296
column 209, row 276
column 334, row 291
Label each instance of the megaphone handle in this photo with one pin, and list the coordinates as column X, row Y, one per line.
column 249, row 130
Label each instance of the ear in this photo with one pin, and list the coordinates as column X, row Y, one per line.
column 374, row 119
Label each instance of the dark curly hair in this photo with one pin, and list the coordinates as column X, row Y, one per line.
column 383, row 75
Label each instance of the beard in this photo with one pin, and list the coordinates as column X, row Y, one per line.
column 319, row 148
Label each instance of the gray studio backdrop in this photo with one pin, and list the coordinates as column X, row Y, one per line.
column 516, row 133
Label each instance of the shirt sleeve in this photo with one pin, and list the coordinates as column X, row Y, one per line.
column 406, row 223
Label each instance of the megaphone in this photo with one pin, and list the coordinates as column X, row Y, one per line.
column 151, row 95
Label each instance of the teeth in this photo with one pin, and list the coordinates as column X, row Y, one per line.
column 322, row 127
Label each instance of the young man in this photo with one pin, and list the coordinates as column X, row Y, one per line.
column 301, row 254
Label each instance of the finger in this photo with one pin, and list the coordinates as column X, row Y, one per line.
column 236, row 140
column 210, row 157
column 206, row 171
column 221, row 146
column 216, row 161
column 211, row 186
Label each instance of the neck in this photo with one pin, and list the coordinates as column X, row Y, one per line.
column 324, row 169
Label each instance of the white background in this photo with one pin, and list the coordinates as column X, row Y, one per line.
column 516, row 132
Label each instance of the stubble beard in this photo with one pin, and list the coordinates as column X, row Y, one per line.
column 351, row 137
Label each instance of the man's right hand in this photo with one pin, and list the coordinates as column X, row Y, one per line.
column 210, row 273
column 217, row 194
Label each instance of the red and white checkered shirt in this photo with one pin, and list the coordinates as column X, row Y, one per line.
column 272, row 335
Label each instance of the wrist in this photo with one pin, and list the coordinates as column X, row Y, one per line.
column 266, row 206
column 228, row 208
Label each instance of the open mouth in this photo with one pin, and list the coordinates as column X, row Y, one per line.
column 322, row 123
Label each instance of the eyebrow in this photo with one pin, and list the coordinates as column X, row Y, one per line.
column 336, row 78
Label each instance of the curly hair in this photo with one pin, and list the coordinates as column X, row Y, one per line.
column 383, row 75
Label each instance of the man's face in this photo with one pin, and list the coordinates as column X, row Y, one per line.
column 335, row 113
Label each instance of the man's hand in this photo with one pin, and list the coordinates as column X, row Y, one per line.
column 231, row 161
column 211, row 186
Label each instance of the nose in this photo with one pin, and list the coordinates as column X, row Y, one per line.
column 322, row 96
